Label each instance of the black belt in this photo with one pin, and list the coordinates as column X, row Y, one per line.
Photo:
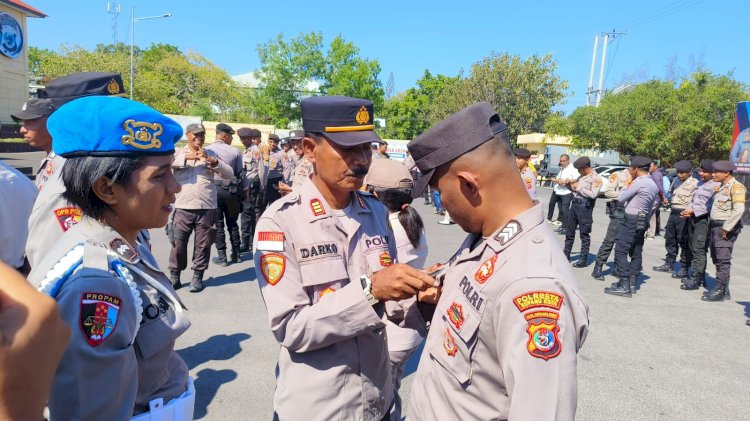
column 715, row 223
column 676, row 210
column 579, row 200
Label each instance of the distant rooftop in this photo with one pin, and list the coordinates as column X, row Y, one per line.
column 24, row 8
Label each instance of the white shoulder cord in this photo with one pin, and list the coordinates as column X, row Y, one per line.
column 157, row 285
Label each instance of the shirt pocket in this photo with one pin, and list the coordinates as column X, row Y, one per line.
column 157, row 335
column 455, row 345
column 323, row 277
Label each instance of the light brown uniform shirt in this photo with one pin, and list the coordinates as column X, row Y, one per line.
column 302, row 172
column 333, row 362
column 729, row 204
column 506, row 331
column 617, row 181
column 106, row 373
column 197, row 180
column 683, row 193
column 588, row 186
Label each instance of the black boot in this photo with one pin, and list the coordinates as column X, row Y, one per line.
column 174, row 279
column 727, row 295
column 582, row 262
column 622, row 288
column 221, row 259
column 244, row 248
column 633, row 280
column 716, row 294
column 597, row 273
column 666, row 267
column 235, row 256
column 682, row 273
column 692, row 283
column 615, row 273
column 196, row 284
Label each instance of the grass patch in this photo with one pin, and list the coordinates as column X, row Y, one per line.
column 12, row 140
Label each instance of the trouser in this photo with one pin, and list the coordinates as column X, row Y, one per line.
column 616, row 219
column 580, row 216
column 251, row 210
column 563, row 206
column 271, row 193
column 630, row 243
column 203, row 222
column 654, row 224
column 676, row 239
column 721, row 250
column 698, row 237
column 227, row 212
column 436, row 200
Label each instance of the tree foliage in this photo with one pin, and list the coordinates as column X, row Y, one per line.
column 689, row 119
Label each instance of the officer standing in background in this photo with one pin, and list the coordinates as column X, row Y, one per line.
column 276, row 159
column 325, row 258
column 616, row 211
column 655, row 221
column 33, row 118
column 581, row 215
column 675, row 232
column 52, row 215
column 304, row 168
column 505, row 334
column 195, row 206
column 228, row 195
column 561, row 193
column 639, row 200
column 527, row 176
column 253, row 195
column 696, row 216
column 288, row 163
column 726, row 224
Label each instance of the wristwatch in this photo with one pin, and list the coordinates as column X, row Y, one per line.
column 367, row 288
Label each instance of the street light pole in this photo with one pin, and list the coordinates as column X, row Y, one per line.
column 133, row 20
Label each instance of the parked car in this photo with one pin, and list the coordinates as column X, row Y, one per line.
column 605, row 171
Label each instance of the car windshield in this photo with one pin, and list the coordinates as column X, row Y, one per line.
column 600, row 170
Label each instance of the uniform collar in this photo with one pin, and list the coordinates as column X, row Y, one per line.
column 316, row 207
column 109, row 238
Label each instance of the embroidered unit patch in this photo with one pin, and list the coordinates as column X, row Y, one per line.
column 99, row 314
column 486, row 270
column 543, row 341
column 456, row 315
column 272, row 267
column 449, row 343
column 68, row 217
column 385, row 259
column 535, row 299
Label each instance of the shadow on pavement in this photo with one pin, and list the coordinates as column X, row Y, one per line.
column 745, row 304
column 215, row 348
column 244, row 275
column 207, row 383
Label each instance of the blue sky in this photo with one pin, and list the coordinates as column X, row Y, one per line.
column 408, row 37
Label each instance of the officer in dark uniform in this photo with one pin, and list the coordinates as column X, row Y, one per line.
column 252, row 205
column 675, row 232
column 726, row 224
column 639, row 198
column 616, row 212
column 696, row 215
column 580, row 216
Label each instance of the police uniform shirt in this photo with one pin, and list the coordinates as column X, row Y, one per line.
column 197, row 180
column 589, row 186
column 231, row 156
column 506, row 331
column 617, row 181
column 276, row 164
column 682, row 191
column 729, row 204
column 639, row 196
column 333, row 361
column 302, row 172
column 47, row 167
column 251, row 159
column 106, row 372
column 290, row 162
column 18, row 194
column 529, row 181
column 702, row 198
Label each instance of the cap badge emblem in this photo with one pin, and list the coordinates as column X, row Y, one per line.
column 113, row 87
column 142, row 135
column 24, row 106
column 363, row 116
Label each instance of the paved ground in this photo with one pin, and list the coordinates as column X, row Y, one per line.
column 663, row 354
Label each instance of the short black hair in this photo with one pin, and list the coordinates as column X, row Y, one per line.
column 316, row 136
column 80, row 173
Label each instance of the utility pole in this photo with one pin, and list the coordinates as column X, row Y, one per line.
column 606, row 39
column 114, row 10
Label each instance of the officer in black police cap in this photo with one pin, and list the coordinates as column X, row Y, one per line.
column 33, row 118
column 581, row 214
column 78, row 85
column 697, row 216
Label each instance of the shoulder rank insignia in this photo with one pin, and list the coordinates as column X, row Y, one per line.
column 511, row 230
column 123, row 249
column 98, row 318
column 449, row 343
column 317, row 207
column 456, row 315
column 486, row 270
column 272, row 266
column 67, row 217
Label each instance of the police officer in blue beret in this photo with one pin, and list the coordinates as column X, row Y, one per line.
column 124, row 314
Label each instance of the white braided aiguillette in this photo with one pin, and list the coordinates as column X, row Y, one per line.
column 58, row 270
column 122, row 272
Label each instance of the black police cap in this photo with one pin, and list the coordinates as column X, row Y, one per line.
column 582, row 162
column 724, row 166
column 707, row 165
column 225, row 128
column 67, row 88
column 453, row 137
column 640, row 162
column 296, row 135
column 522, row 153
column 34, row 108
column 344, row 120
column 683, row 166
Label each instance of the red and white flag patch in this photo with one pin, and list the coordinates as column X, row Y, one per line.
column 270, row 241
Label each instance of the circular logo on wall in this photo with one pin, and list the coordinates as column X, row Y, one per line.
column 11, row 36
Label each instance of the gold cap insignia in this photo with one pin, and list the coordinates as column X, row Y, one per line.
column 113, row 87
column 363, row 116
column 142, row 135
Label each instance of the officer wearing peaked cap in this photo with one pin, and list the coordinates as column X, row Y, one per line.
column 697, row 216
column 52, row 215
column 527, row 176
column 675, row 232
column 581, row 215
column 510, row 313
column 252, row 165
column 325, row 258
column 124, row 315
column 33, row 118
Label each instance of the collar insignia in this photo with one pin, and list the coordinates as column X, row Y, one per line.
column 123, row 249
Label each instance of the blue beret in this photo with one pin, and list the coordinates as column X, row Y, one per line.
column 111, row 126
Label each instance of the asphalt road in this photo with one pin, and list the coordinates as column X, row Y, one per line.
column 663, row 354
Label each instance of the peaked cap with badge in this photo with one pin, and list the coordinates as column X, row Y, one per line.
column 77, row 85
column 453, row 137
column 34, row 108
column 343, row 120
column 111, row 126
